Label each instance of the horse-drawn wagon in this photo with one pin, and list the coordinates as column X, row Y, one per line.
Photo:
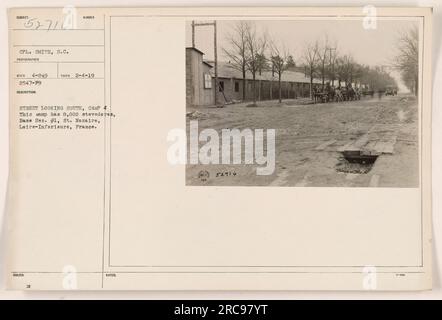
column 332, row 94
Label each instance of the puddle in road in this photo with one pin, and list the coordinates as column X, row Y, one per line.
column 355, row 162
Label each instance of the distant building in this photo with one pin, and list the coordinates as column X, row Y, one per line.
column 200, row 83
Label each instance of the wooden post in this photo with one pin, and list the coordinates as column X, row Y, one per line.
column 332, row 65
column 215, row 54
column 193, row 34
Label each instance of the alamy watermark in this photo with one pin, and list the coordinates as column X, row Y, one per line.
column 70, row 17
column 69, row 280
column 209, row 147
column 369, row 279
column 370, row 19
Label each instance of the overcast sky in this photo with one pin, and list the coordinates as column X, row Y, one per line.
column 371, row 47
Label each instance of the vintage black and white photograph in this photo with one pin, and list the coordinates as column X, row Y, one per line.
column 235, row 150
column 303, row 103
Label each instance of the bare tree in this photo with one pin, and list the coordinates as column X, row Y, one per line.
column 237, row 52
column 375, row 77
column 262, row 63
column 338, row 69
column 255, row 48
column 281, row 60
column 291, row 64
column 332, row 62
column 322, row 58
column 407, row 59
column 310, row 58
column 357, row 72
column 345, row 69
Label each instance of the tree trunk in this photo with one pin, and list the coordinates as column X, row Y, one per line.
column 254, row 88
column 280, row 92
column 311, row 85
column 243, row 84
column 416, row 86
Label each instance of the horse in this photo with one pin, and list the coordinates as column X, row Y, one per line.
column 338, row 95
column 357, row 94
column 331, row 95
column 344, row 92
column 351, row 93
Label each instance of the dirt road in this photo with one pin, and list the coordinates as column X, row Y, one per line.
column 310, row 140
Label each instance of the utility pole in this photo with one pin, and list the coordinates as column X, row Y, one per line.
column 215, row 51
column 215, row 54
column 193, row 34
column 332, row 65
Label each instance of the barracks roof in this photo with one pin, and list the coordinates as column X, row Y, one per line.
column 225, row 70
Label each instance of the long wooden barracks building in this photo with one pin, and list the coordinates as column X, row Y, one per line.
column 200, row 83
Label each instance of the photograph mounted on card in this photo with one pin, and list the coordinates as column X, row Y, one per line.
column 220, row 148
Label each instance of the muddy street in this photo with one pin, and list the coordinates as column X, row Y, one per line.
column 314, row 142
